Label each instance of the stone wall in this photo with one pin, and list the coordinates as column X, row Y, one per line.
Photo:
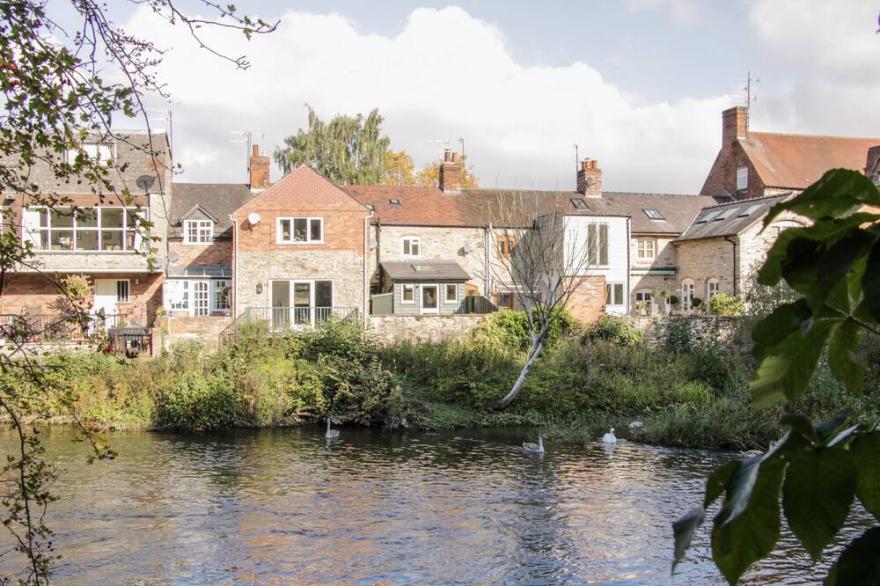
column 701, row 260
column 202, row 329
column 387, row 329
column 707, row 329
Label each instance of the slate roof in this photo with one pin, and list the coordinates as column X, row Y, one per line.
column 729, row 219
column 421, row 270
column 428, row 206
column 218, row 199
column 795, row 161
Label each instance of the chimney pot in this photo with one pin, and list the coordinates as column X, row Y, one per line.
column 589, row 178
column 259, row 170
column 450, row 172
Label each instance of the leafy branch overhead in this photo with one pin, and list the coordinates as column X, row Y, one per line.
column 813, row 475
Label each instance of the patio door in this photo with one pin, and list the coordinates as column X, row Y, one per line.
column 301, row 302
column 280, row 304
column 430, row 299
column 109, row 292
column 201, row 299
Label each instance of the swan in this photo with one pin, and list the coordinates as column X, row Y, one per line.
column 609, row 438
column 531, row 448
column 331, row 434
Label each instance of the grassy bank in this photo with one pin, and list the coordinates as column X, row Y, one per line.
column 682, row 395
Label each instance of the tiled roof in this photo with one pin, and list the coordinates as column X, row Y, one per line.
column 428, row 206
column 304, row 184
column 421, row 270
column 795, row 161
column 218, row 199
column 729, row 219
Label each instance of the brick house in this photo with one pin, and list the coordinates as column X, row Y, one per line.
column 300, row 252
column 199, row 279
column 103, row 240
column 725, row 245
column 756, row 164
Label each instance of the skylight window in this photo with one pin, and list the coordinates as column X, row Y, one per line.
column 394, row 201
column 750, row 210
column 578, row 203
column 654, row 214
column 726, row 214
column 708, row 217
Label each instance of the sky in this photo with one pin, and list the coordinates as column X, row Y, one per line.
column 638, row 85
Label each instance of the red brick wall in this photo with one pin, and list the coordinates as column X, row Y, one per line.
column 587, row 303
column 36, row 294
column 722, row 175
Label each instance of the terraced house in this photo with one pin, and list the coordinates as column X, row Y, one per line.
column 94, row 236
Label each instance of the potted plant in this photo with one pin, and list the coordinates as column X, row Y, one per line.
column 674, row 301
column 696, row 302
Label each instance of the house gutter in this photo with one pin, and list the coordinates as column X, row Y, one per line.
column 628, row 262
column 486, row 247
column 735, row 278
column 365, row 290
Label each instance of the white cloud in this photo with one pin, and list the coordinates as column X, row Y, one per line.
column 445, row 75
column 680, row 12
column 835, row 51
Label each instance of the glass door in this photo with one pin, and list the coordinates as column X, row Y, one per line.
column 302, row 303
column 280, row 304
column 430, row 302
column 200, row 298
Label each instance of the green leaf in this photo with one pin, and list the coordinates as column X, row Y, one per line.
column 842, row 358
column 837, row 192
column 819, row 488
column 788, row 344
column 748, row 525
column 684, row 529
column 859, row 564
column 871, row 282
column 801, row 425
column 717, row 482
column 831, row 427
column 865, row 451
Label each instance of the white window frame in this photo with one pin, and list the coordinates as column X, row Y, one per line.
column 713, row 288
column 203, row 230
column 742, row 178
column 611, row 290
column 178, row 297
column 688, row 291
column 279, row 234
column 446, row 298
column 123, row 291
column 32, row 229
column 197, row 291
column 642, row 246
column 598, row 253
column 411, row 243
column 216, row 290
column 403, row 289
column 100, row 151
column 422, row 307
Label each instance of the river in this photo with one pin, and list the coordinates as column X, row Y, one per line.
column 280, row 506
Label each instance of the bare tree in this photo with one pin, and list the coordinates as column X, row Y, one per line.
column 55, row 94
column 542, row 257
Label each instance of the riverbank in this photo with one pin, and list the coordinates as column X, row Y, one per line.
column 684, row 394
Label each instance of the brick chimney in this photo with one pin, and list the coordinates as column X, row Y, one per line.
column 259, row 168
column 734, row 125
column 450, row 173
column 589, row 179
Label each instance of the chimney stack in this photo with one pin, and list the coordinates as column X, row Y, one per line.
column 734, row 125
column 589, row 178
column 450, row 173
column 259, row 170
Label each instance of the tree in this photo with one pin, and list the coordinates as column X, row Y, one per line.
column 348, row 150
column 399, row 168
column 834, row 268
column 543, row 260
column 55, row 94
column 429, row 175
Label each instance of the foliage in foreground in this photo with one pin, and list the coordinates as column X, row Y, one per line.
column 813, row 474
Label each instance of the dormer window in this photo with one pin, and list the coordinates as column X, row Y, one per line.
column 96, row 151
column 742, row 178
column 198, row 232
column 412, row 246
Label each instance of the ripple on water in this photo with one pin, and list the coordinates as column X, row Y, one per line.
column 450, row 508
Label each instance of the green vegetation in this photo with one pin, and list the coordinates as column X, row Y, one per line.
column 688, row 395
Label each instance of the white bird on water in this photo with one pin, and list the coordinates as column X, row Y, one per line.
column 609, row 438
column 532, row 448
column 331, row 434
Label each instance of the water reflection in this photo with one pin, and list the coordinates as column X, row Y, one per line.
column 283, row 505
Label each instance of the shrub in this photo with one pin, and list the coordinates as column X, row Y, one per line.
column 725, row 305
column 679, row 336
column 198, row 402
column 614, row 329
column 509, row 329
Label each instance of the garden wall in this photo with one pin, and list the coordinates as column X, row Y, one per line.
column 699, row 328
column 387, row 329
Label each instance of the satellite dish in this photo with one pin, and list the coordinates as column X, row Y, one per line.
column 467, row 249
column 253, row 218
column 145, row 182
